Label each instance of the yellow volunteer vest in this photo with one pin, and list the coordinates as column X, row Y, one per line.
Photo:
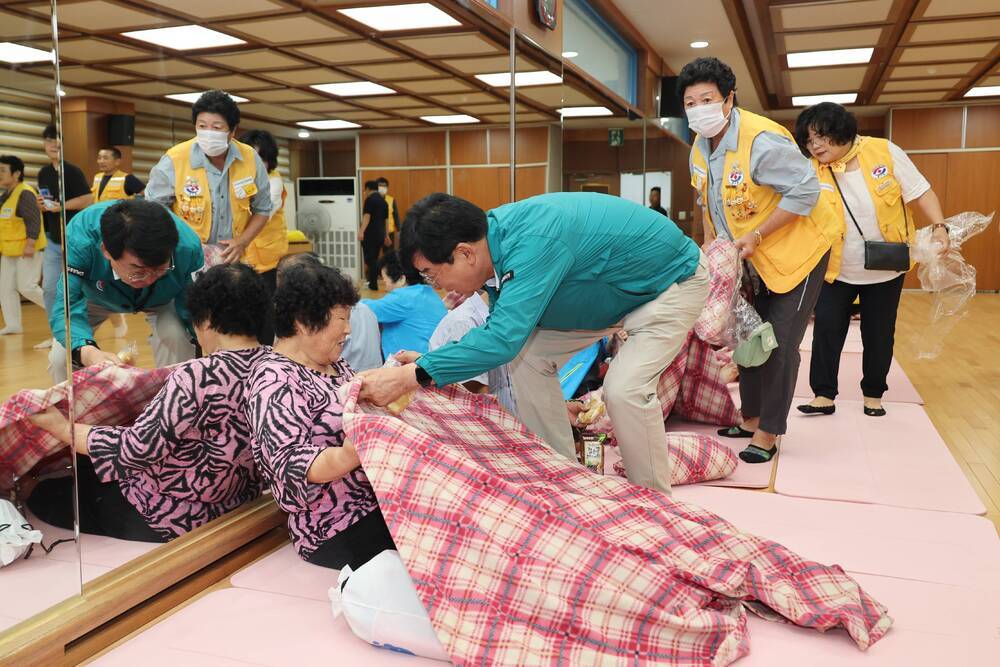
column 115, row 189
column 390, row 222
column 193, row 201
column 271, row 243
column 13, row 233
column 786, row 256
column 875, row 163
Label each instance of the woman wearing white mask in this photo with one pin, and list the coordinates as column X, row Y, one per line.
column 218, row 185
column 755, row 188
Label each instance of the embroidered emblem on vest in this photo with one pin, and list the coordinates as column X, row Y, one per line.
column 880, row 171
column 192, row 188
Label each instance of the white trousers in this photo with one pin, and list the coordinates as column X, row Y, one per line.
column 19, row 276
column 656, row 331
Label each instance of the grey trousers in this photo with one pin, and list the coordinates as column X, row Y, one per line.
column 767, row 391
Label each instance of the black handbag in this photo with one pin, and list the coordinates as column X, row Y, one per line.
column 882, row 255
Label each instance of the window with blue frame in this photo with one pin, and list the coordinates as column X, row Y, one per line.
column 492, row 3
column 600, row 50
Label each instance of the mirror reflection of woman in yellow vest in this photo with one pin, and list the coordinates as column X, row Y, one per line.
column 756, row 188
column 21, row 243
column 220, row 186
column 871, row 183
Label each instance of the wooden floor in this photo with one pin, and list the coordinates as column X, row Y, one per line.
column 961, row 387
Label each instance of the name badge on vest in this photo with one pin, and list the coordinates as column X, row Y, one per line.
column 192, row 187
column 244, row 188
column 6, row 213
column 735, row 175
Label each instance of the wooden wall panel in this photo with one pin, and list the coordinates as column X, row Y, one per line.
column 424, row 182
column 529, row 181
column 532, row 145
column 934, row 167
column 481, row 186
column 468, row 147
column 499, row 145
column 923, row 129
column 425, row 149
column 972, row 186
column 983, row 127
column 382, row 150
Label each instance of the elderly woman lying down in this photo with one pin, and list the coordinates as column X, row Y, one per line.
column 187, row 459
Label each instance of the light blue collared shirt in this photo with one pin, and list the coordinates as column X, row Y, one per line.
column 161, row 188
column 775, row 161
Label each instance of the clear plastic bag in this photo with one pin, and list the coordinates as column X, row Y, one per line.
column 948, row 277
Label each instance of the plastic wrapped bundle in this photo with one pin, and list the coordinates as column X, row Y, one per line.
column 724, row 281
column 950, row 279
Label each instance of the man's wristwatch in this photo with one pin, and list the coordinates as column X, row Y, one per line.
column 424, row 378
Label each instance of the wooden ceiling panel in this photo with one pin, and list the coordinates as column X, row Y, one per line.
column 255, row 60
column 17, row 27
column 556, row 96
column 89, row 75
column 920, row 84
column 168, row 68
column 425, row 86
column 306, row 77
column 944, row 69
column 489, row 65
column 955, row 31
column 815, row 15
column 273, row 111
column 153, row 88
column 392, row 123
column 408, row 69
column 831, row 39
column 901, row 98
column 98, row 16
column 229, row 82
column 340, row 53
column 464, row 99
column 485, row 108
column 936, row 8
column 289, row 30
column 816, row 80
column 96, row 50
column 437, row 46
column 933, row 54
column 329, row 106
column 281, row 95
column 416, row 112
column 219, row 9
column 362, row 114
column 391, row 101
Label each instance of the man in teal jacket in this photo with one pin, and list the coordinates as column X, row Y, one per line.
column 125, row 256
column 562, row 271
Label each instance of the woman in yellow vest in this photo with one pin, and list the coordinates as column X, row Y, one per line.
column 871, row 183
column 21, row 243
column 110, row 182
column 217, row 185
column 756, row 188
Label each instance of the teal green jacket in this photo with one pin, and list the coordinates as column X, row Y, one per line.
column 575, row 260
column 91, row 278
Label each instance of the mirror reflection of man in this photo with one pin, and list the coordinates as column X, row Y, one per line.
column 110, row 182
column 654, row 201
column 21, row 243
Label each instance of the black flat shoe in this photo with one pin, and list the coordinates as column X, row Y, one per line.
column 755, row 454
column 808, row 409
column 875, row 412
column 735, row 432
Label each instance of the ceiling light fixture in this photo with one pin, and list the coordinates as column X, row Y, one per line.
column 62, row 93
column 827, row 58
column 456, row 119
column 401, row 17
column 303, row 134
column 699, row 45
column 353, row 89
column 185, row 37
column 983, row 91
column 328, row 124
column 15, row 53
column 191, row 98
column 570, row 54
column 524, row 79
column 582, row 112
column 809, row 100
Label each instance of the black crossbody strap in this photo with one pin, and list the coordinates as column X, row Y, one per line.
column 848, row 208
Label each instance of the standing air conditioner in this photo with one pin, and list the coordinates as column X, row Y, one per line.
column 328, row 215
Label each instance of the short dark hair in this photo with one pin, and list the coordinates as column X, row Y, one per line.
column 306, row 294
column 371, row 185
column 393, row 267
column 382, row 180
column 231, row 298
column 706, row 70
column 14, row 163
column 266, row 146
column 217, row 101
column 288, row 261
column 828, row 120
column 114, row 151
column 141, row 226
column 50, row 132
column 436, row 224
column 655, row 188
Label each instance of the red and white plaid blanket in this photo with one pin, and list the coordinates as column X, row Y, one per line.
column 104, row 394
column 694, row 458
column 522, row 557
column 725, row 272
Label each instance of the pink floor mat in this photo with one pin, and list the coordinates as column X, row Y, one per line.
column 895, row 460
column 933, row 547
column 852, row 343
column 901, row 390
column 283, row 572
column 30, row 586
column 237, row 626
column 97, row 550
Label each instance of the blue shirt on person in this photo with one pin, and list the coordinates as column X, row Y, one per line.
column 408, row 316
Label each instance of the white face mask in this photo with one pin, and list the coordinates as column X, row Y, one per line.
column 707, row 119
column 213, row 142
column 383, row 191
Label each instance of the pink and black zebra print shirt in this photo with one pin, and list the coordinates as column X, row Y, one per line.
column 294, row 415
column 187, row 459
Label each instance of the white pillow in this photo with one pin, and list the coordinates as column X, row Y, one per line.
column 16, row 534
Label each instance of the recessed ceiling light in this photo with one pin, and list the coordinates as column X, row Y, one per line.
column 450, row 120
column 193, row 97
column 401, row 17
column 983, row 91
column 809, row 100
column 699, row 45
column 15, row 53
column 303, row 134
column 580, row 112
column 353, row 89
column 328, row 124
column 185, row 37
column 825, row 58
column 502, row 79
column 570, row 54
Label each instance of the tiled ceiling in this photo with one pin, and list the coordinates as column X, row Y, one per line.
column 290, row 47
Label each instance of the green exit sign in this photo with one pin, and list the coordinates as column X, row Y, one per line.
column 616, row 136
